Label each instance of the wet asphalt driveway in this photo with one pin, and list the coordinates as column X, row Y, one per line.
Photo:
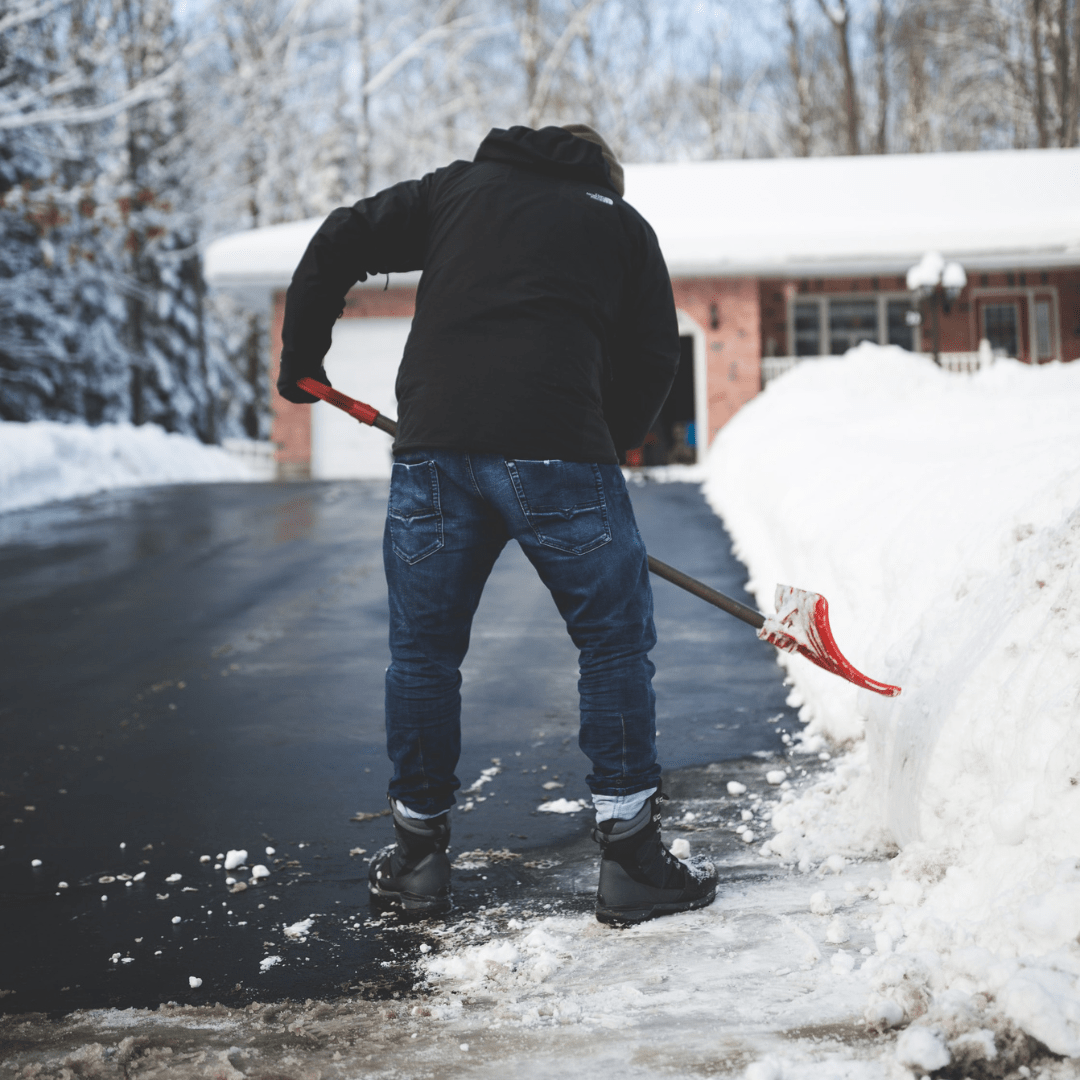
column 189, row 670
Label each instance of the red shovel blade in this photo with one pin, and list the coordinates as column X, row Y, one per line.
column 801, row 624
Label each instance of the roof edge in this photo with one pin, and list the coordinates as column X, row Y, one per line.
column 1008, row 259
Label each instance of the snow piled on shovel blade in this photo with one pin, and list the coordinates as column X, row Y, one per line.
column 940, row 514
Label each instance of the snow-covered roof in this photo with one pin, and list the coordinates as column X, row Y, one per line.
column 800, row 217
column 253, row 262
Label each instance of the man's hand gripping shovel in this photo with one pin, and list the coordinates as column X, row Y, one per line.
column 801, row 622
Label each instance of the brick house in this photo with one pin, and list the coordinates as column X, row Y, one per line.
column 773, row 262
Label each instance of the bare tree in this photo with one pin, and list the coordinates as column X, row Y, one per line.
column 912, row 42
column 801, row 81
column 546, row 36
column 838, row 14
column 881, row 64
column 1067, row 83
column 1064, row 34
column 1035, row 27
column 363, row 30
column 1029, row 51
column 1064, row 81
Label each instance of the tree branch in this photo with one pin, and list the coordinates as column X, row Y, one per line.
column 556, row 56
column 20, row 18
column 840, row 19
column 150, row 90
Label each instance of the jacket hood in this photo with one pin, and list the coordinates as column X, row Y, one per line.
column 551, row 150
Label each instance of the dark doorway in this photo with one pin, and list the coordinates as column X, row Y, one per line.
column 673, row 439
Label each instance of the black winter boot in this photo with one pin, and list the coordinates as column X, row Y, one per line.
column 639, row 878
column 414, row 873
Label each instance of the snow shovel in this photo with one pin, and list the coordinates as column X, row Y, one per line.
column 801, row 622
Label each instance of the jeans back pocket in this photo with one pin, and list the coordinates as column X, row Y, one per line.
column 563, row 501
column 414, row 513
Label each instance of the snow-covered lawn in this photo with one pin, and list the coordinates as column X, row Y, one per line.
column 43, row 460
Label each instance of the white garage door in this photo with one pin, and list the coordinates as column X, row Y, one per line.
column 363, row 363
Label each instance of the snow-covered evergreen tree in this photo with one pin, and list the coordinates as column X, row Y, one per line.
column 59, row 309
column 101, row 291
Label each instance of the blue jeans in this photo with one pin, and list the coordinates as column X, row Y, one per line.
column 449, row 517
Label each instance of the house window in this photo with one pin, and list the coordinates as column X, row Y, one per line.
column 1044, row 341
column 851, row 322
column 807, row 321
column 898, row 330
column 830, row 325
column 1001, row 328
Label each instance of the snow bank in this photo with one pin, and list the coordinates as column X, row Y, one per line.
column 940, row 515
column 43, row 460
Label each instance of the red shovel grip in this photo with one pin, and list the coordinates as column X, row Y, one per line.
column 350, row 405
column 358, row 409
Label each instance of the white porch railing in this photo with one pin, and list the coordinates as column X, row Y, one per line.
column 257, row 455
column 772, row 367
column 965, row 361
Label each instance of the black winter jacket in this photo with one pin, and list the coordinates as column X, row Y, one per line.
column 545, row 325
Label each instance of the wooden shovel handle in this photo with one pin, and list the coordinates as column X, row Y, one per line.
column 710, row 596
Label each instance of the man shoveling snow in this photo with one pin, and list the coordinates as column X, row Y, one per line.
column 543, row 346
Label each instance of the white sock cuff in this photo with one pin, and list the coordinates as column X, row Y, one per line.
column 622, row 807
column 404, row 811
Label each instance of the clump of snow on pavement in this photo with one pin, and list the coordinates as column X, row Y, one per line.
column 940, row 515
column 300, row 930
column 562, row 806
column 45, row 460
column 235, row 858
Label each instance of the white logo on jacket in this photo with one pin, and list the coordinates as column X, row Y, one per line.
column 600, row 198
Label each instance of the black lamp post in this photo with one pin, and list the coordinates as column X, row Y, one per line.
column 935, row 283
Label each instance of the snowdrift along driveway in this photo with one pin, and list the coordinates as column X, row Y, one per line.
column 940, row 514
column 43, row 460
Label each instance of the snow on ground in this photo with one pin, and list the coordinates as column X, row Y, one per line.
column 706, row 992
column 936, row 884
column 44, row 460
column 940, row 515
column 536, row 988
column 909, row 905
